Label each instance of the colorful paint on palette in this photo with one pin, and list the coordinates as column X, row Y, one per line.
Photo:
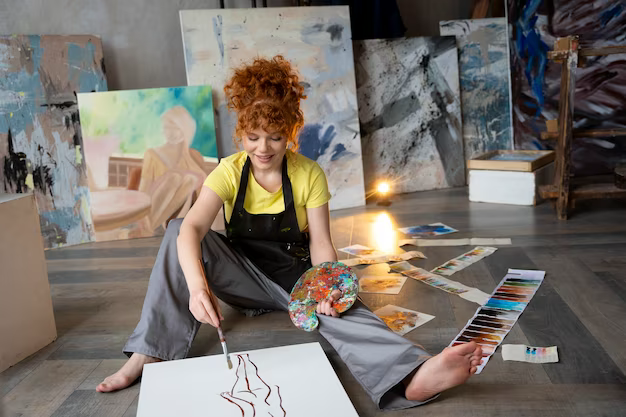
column 492, row 322
column 316, row 285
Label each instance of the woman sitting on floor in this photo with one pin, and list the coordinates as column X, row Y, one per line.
column 276, row 205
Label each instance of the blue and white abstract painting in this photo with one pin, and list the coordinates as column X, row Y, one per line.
column 318, row 42
column 485, row 92
column 40, row 138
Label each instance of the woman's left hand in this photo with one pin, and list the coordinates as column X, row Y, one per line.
column 326, row 306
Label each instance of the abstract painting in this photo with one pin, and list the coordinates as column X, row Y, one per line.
column 40, row 138
column 410, row 113
column 387, row 284
column 148, row 153
column 317, row 41
column 600, row 94
column 402, row 320
column 485, row 86
column 263, row 382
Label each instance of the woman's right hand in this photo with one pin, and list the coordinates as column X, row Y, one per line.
column 202, row 309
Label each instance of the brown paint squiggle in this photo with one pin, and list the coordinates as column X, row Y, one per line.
column 225, row 395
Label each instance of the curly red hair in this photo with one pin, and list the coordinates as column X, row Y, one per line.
column 266, row 95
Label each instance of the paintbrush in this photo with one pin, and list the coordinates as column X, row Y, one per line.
column 215, row 308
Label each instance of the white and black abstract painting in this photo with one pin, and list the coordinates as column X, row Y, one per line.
column 409, row 109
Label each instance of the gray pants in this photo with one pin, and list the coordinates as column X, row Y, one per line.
column 378, row 358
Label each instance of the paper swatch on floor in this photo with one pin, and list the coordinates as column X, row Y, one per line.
column 437, row 281
column 370, row 260
column 402, row 320
column 433, row 229
column 493, row 321
column 360, row 250
column 463, row 261
column 469, row 293
column 523, row 353
column 477, row 241
column 386, row 284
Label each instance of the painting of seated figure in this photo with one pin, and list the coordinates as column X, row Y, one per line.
column 148, row 153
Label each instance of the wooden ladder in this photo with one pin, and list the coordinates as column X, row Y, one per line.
column 566, row 189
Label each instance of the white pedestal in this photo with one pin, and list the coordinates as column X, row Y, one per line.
column 508, row 187
column 26, row 317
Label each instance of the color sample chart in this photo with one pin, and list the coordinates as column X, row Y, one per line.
column 382, row 259
column 493, row 321
column 469, row 293
column 463, row 261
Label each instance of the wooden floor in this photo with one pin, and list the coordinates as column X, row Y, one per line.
column 98, row 291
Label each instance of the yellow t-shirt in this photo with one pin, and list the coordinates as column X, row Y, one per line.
column 308, row 183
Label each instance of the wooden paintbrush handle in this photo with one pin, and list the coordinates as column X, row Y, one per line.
column 212, row 297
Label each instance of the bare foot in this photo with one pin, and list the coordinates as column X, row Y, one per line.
column 450, row 368
column 127, row 374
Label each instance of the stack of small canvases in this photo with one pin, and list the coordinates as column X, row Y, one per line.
column 509, row 177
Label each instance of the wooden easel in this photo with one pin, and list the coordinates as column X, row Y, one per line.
column 568, row 53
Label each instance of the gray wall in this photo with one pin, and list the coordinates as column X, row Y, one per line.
column 142, row 39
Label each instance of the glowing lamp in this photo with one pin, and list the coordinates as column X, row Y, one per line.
column 383, row 189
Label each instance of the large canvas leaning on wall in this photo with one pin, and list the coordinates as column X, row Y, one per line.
column 409, row 108
column 40, row 138
column 485, row 87
column 317, row 40
column 148, row 153
column 600, row 94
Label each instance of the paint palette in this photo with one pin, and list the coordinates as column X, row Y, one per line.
column 315, row 285
column 496, row 318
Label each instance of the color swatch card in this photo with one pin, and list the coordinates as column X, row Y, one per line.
column 360, row 250
column 469, row 293
column 494, row 320
column 370, row 260
column 523, row 353
column 387, row 284
column 402, row 320
column 463, row 261
column 477, row 241
column 425, row 230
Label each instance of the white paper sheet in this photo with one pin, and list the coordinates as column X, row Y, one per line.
column 475, row 295
column 530, row 354
column 370, row 260
column 402, row 320
column 199, row 387
column 478, row 241
column 360, row 250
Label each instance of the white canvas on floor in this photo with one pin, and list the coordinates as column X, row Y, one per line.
column 318, row 41
column 283, row 381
